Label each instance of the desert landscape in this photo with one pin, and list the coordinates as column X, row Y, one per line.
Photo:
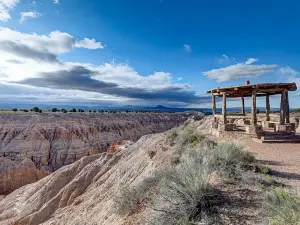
column 149, row 112
column 34, row 145
column 159, row 179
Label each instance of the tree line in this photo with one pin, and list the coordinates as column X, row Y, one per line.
column 74, row 110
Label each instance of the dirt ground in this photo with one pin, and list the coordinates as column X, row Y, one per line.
column 283, row 159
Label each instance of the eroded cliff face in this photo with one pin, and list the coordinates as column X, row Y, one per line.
column 82, row 193
column 34, row 145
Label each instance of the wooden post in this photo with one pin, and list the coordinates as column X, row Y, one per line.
column 243, row 106
column 287, row 108
column 268, row 108
column 224, row 108
column 283, row 107
column 214, row 107
column 253, row 111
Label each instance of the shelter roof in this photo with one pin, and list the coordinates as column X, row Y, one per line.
column 246, row 90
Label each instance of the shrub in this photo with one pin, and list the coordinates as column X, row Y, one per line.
column 151, row 153
column 171, row 137
column 184, row 191
column 282, row 207
column 191, row 138
column 40, row 111
column 262, row 169
column 127, row 200
column 35, row 109
column 54, row 110
column 297, row 111
column 231, row 160
column 14, row 110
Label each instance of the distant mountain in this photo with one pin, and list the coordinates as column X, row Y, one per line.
column 161, row 107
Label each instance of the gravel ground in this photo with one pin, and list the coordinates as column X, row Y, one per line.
column 283, row 159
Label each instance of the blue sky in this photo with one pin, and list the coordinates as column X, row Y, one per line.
column 150, row 52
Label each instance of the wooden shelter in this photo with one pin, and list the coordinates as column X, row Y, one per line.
column 254, row 90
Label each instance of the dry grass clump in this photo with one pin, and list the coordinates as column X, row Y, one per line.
column 127, row 200
column 232, row 160
column 182, row 193
column 282, row 207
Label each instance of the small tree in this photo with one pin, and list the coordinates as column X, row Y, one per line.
column 73, row 110
column 40, row 111
column 297, row 111
column 14, row 109
column 54, row 110
column 35, row 109
column 90, row 111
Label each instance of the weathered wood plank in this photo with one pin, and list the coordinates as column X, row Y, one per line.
column 214, row 107
column 224, row 108
column 253, row 109
column 243, row 106
column 268, row 108
column 287, row 108
column 283, row 107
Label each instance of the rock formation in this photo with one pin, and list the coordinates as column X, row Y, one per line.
column 34, row 145
column 82, row 193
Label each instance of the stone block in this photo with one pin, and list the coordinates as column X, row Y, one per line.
column 226, row 127
column 290, row 128
column 254, row 129
column 247, row 122
column 268, row 124
column 215, row 125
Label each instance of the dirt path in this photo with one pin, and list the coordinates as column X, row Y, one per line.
column 283, row 159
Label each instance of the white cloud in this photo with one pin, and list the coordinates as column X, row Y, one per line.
column 288, row 71
column 251, row 61
column 34, row 45
column 32, row 60
column 5, row 7
column 179, row 79
column 225, row 59
column 239, row 71
column 56, row 1
column 26, row 15
column 89, row 44
column 187, row 48
column 290, row 74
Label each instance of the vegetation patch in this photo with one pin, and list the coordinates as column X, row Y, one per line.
column 282, row 207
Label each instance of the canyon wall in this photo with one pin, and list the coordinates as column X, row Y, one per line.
column 34, row 145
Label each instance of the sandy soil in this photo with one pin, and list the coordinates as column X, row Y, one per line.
column 283, row 159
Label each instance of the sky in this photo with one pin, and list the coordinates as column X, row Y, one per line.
column 150, row 52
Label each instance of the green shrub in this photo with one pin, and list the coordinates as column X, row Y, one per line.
column 232, row 160
column 262, row 169
column 14, row 110
column 127, row 200
column 297, row 111
column 184, row 192
column 171, row 137
column 35, row 109
column 282, row 207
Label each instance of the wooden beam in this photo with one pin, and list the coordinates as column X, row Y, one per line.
column 268, row 108
column 287, row 108
column 214, row 107
column 259, row 87
column 243, row 106
column 224, row 108
column 283, row 107
column 253, row 111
